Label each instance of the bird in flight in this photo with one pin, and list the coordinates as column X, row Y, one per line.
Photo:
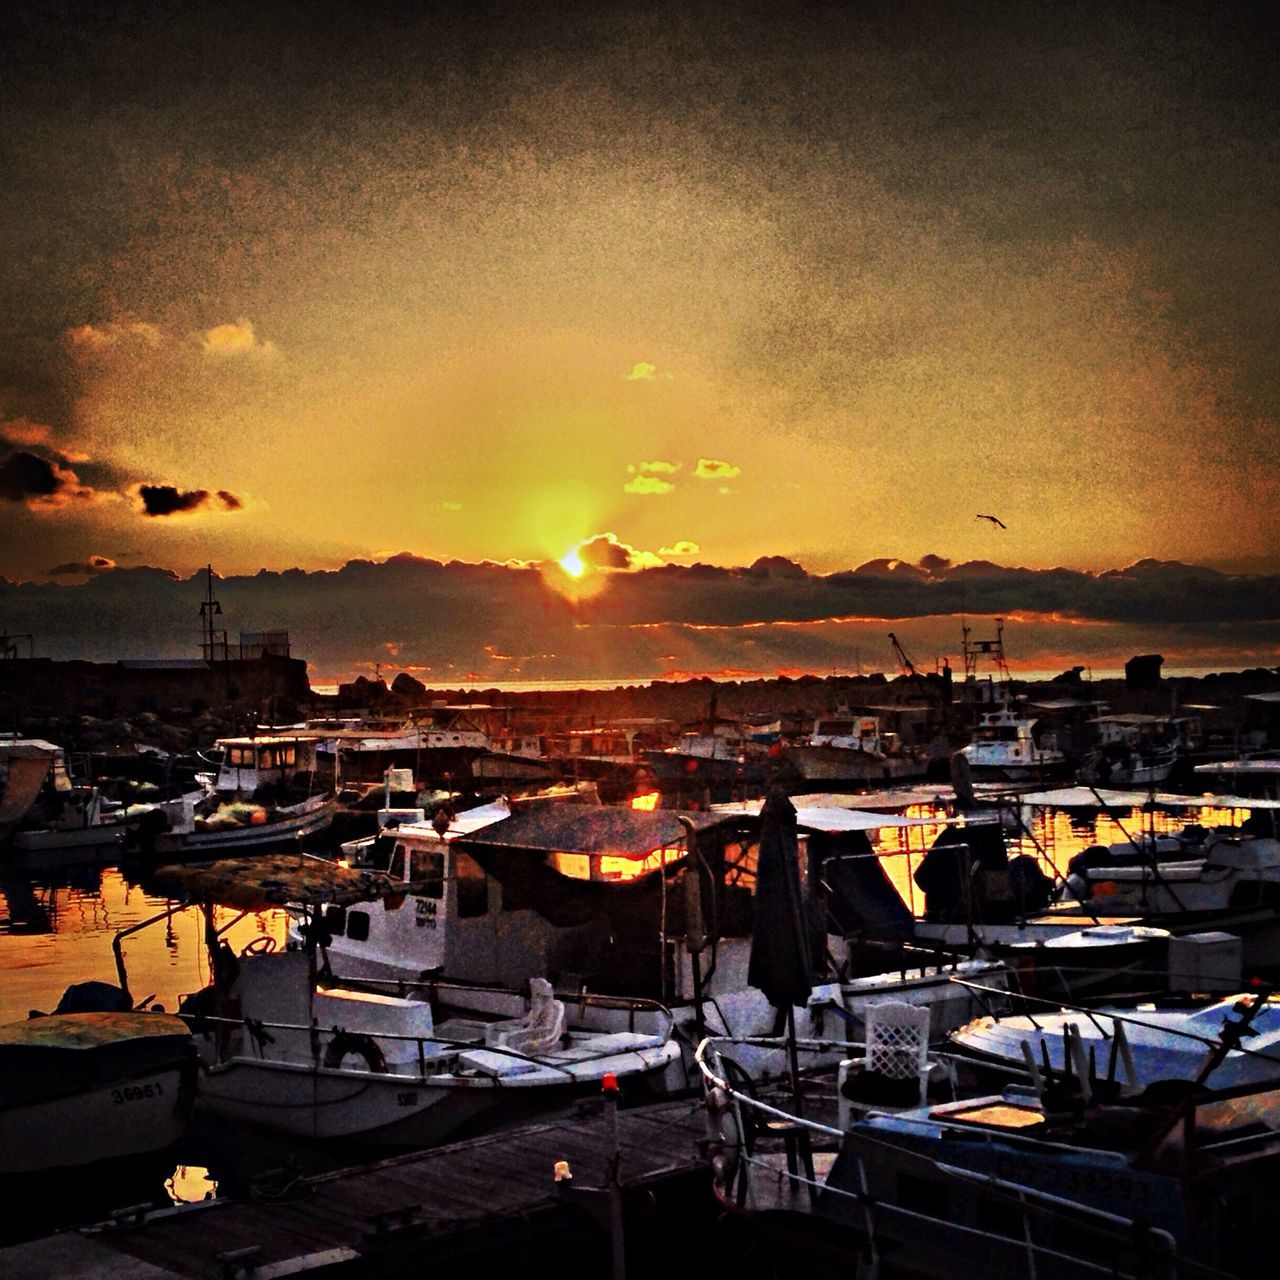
column 993, row 519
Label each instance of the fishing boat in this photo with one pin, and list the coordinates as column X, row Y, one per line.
column 264, row 794
column 619, row 902
column 848, row 746
column 1063, row 1177
column 1138, row 750
column 78, row 1088
column 286, row 1046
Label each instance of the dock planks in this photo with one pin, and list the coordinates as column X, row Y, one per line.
column 497, row 1187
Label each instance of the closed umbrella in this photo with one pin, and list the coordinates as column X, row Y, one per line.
column 780, row 964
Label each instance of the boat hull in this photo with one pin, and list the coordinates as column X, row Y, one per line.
column 145, row 1112
column 287, row 830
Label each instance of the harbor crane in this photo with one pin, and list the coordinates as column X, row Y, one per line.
column 908, row 667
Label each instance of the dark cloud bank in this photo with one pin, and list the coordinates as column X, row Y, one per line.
column 443, row 620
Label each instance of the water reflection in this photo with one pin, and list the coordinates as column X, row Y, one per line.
column 55, row 934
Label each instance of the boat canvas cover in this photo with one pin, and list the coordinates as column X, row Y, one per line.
column 1100, row 798
column 260, row 882
column 28, row 768
column 50, row 1057
column 615, row 831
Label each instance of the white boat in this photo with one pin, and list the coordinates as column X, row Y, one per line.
column 1137, row 750
column 285, row 1046
column 1153, row 1044
column 1013, row 747
column 265, row 793
column 76, row 1088
column 603, row 900
column 850, row 747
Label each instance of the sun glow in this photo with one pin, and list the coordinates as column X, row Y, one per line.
column 572, row 564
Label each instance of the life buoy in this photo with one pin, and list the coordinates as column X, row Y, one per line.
column 345, row 1044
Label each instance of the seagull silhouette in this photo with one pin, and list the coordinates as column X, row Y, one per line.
column 993, row 520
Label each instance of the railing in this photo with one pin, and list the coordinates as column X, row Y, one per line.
column 1154, row 1245
column 444, row 1050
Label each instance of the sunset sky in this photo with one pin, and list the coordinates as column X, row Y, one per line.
column 293, row 285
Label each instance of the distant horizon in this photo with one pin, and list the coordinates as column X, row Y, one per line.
column 454, row 624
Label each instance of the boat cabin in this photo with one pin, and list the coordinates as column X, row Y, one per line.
column 275, row 760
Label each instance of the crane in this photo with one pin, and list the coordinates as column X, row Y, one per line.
column 908, row 667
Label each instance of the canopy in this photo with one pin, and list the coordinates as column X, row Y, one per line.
column 259, row 882
column 1109, row 798
column 828, row 818
column 89, row 1030
column 604, row 829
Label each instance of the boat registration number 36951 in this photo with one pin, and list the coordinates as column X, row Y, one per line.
column 137, row 1092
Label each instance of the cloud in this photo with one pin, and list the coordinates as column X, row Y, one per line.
column 714, row 469
column 606, row 551
column 655, row 468
column 27, row 432
column 115, row 335
column 85, row 569
column 647, row 621
column 647, row 485
column 168, row 500
column 232, row 341
column 451, row 506
column 40, row 482
column 682, row 548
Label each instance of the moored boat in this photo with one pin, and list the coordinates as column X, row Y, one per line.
column 77, row 1088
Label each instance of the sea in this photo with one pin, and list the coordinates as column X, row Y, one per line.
column 473, row 683
column 64, row 926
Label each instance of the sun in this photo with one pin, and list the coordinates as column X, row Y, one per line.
column 572, row 564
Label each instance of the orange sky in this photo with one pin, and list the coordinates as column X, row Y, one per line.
column 724, row 284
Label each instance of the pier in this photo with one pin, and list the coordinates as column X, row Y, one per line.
column 485, row 1198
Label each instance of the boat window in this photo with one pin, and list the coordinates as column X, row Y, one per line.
column 577, row 866
column 472, row 885
column 239, row 756
column 358, row 926
column 335, row 918
column 428, row 872
column 395, row 868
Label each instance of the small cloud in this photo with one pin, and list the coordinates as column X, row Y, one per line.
column 714, row 469
column 655, row 468
column 451, row 506
column 391, row 647
column 229, row 341
column 96, row 339
column 648, row 485
column 642, row 371
column 724, row 489
column 85, row 569
column 605, row 551
column 169, row 500
column 682, row 548
column 40, row 482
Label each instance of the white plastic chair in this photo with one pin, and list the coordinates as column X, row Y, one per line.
column 539, row 1030
column 897, row 1050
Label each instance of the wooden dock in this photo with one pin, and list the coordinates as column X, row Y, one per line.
column 482, row 1198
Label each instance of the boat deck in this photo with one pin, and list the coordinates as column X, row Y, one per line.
column 387, row 1218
